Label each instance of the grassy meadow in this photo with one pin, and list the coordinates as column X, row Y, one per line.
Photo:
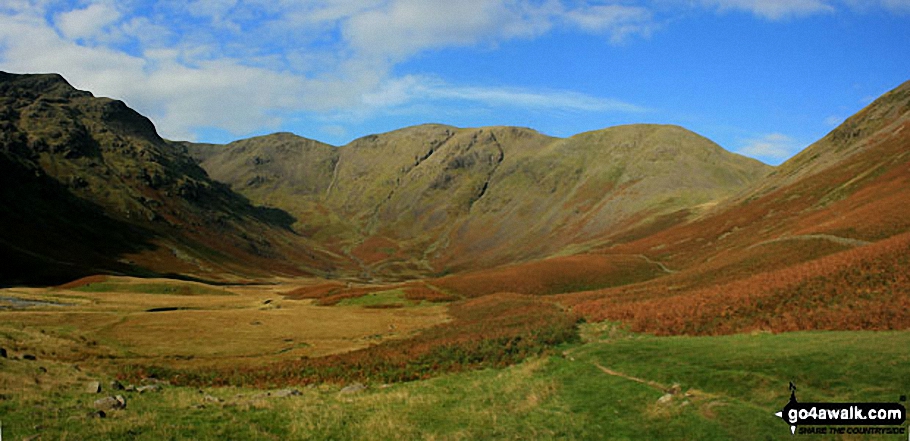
column 605, row 386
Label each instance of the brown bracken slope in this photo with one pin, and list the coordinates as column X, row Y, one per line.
column 821, row 243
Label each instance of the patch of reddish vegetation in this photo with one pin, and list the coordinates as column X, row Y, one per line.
column 78, row 283
column 422, row 292
column 375, row 249
column 328, row 294
column 866, row 288
column 553, row 276
column 315, row 291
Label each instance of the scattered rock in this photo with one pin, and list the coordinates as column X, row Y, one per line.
column 353, row 389
column 267, row 301
column 664, row 400
column 3, row 353
column 130, row 388
column 29, row 357
column 110, row 403
column 97, row 414
column 148, row 388
column 152, row 380
column 93, row 387
column 674, row 389
column 283, row 393
column 116, row 385
column 211, row 399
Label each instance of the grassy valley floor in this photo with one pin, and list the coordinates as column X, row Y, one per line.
column 613, row 385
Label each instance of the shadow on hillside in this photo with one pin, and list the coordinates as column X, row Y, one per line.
column 49, row 236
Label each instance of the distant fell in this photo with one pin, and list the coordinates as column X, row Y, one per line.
column 436, row 198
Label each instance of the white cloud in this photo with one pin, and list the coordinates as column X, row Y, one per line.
column 774, row 9
column 402, row 28
column 242, row 66
column 772, row 148
column 616, row 20
column 90, row 22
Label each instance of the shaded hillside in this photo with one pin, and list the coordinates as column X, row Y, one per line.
column 89, row 186
column 825, row 236
column 435, row 198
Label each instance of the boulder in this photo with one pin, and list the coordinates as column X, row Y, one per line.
column 353, row 389
column 108, row 404
column 93, row 387
column 283, row 393
column 148, row 388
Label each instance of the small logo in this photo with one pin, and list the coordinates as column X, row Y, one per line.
column 798, row 414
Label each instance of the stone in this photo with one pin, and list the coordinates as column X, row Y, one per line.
column 116, row 385
column 110, row 403
column 93, row 387
column 664, row 400
column 211, row 399
column 674, row 389
column 148, row 388
column 283, row 393
column 353, row 389
column 150, row 380
column 3, row 353
column 29, row 357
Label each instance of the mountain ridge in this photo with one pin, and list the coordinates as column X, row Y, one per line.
column 441, row 179
column 419, row 201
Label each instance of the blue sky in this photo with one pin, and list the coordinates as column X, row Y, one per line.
column 761, row 77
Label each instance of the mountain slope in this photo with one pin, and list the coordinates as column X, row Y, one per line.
column 435, row 198
column 821, row 243
column 90, row 186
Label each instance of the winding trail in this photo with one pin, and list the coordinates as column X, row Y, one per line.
column 846, row 241
column 654, row 262
column 650, row 383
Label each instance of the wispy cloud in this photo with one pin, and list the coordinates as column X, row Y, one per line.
column 241, row 66
column 245, row 65
column 413, row 88
column 774, row 9
column 772, row 148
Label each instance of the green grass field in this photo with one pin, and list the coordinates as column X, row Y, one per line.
column 604, row 388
